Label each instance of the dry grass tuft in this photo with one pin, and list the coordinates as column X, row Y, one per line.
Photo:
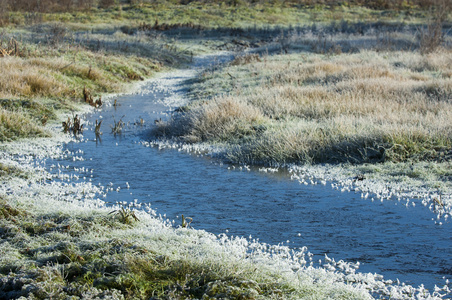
column 22, row 78
column 49, row 77
column 224, row 119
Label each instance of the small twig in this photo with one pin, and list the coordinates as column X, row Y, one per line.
column 184, row 221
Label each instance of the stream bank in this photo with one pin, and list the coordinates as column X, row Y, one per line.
column 79, row 227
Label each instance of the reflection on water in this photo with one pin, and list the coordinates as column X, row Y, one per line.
column 389, row 239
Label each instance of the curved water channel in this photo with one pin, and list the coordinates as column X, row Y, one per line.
column 388, row 239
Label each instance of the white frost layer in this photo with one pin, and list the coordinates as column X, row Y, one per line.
column 293, row 267
column 42, row 193
column 343, row 177
column 409, row 191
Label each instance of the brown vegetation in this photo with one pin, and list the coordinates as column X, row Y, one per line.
column 10, row 49
column 75, row 126
column 163, row 27
column 431, row 37
column 50, row 6
column 89, row 99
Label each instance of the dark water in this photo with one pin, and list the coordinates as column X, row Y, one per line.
column 388, row 239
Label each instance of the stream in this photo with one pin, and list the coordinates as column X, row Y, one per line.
column 395, row 241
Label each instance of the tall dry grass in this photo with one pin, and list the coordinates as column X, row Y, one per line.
column 50, row 60
column 61, row 77
column 28, row 78
column 363, row 107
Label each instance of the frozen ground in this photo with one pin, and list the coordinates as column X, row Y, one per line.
column 42, row 193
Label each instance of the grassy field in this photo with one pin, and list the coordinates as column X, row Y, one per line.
column 221, row 14
column 364, row 89
column 368, row 106
column 47, row 66
column 351, row 94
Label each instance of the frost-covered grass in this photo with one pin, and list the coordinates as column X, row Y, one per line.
column 322, row 105
column 55, row 55
column 333, row 109
column 53, row 64
column 58, row 240
column 310, row 108
column 50, row 65
column 15, row 125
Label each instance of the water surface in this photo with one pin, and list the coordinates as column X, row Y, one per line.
column 388, row 239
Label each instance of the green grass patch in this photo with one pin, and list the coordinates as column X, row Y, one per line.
column 221, row 14
column 16, row 124
column 58, row 255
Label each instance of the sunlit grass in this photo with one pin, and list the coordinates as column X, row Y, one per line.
column 59, row 241
column 223, row 14
column 17, row 124
column 78, row 250
column 368, row 106
column 51, row 69
column 64, row 73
